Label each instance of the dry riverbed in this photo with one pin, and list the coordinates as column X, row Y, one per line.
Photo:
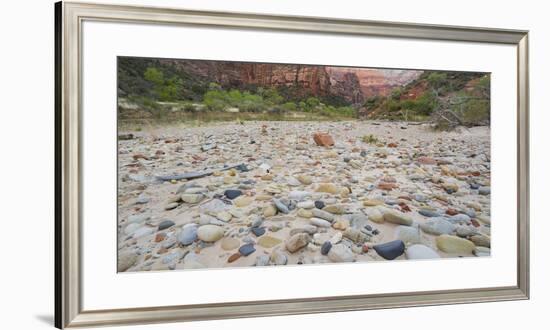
column 265, row 193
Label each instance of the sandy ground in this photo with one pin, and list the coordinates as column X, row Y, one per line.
column 410, row 168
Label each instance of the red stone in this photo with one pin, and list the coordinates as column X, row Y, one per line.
column 392, row 145
column 427, row 160
column 451, row 212
column 160, row 237
column 386, row 186
column 234, row 257
column 323, row 139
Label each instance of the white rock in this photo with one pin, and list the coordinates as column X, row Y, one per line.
column 340, row 253
column 419, row 251
column 210, row 233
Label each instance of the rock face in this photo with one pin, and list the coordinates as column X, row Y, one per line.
column 354, row 86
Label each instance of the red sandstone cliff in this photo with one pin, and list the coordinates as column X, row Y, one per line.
column 353, row 85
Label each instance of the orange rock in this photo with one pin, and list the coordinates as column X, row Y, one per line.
column 234, row 257
column 323, row 139
column 451, row 212
column 387, row 185
column 392, row 145
column 160, row 237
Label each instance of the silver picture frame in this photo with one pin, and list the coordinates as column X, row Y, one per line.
column 69, row 18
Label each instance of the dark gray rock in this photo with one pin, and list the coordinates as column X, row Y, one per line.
column 390, row 250
column 247, row 249
column 166, row 224
column 319, row 204
column 325, row 248
column 188, row 235
column 258, row 231
column 232, row 193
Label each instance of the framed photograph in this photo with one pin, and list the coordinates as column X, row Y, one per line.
column 218, row 165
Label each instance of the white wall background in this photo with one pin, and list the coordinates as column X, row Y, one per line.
column 26, row 162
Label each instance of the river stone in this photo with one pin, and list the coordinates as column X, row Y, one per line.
column 281, row 207
column 230, row 243
column 171, row 206
column 372, row 202
column 335, row 209
column 126, row 260
column 328, row 188
column 310, row 229
column 224, row 216
column 192, row 198
column 481, row 251
column 319, row 204
column 322, row 215
column 355, row 235
column 196, row 190
column 131, row 228
column 454, row 244
column 165, row 224
column 325, row 248
column 419, row 251
column 213, row 206
column 390, row 250
column 233, row 257
column 437, row 226
column 247, row 249
column 358, row 220
column 409, row 235
column 397, row 217
column 481, row 240
column 319, row 222
column 269, row 211
column 375, row 215
column 306, row 205
column 483, row 218
column 258, row 231
column 139, row 218
column 465, row 231
column 268, row 242
column 210, row 233
column 341, row 224
column 296, row 242
column 279, row 258
column 303, row 213
column 143, row 231
column 262, row 260
column 142, row 199
column 484, row 190
column 232, row 193
column 304, row 179
column 299, row 195
column 243, row 201
column 429, row 213
column 188, row 235
column 340, row 253
column 459, row 218
column 336, row 238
